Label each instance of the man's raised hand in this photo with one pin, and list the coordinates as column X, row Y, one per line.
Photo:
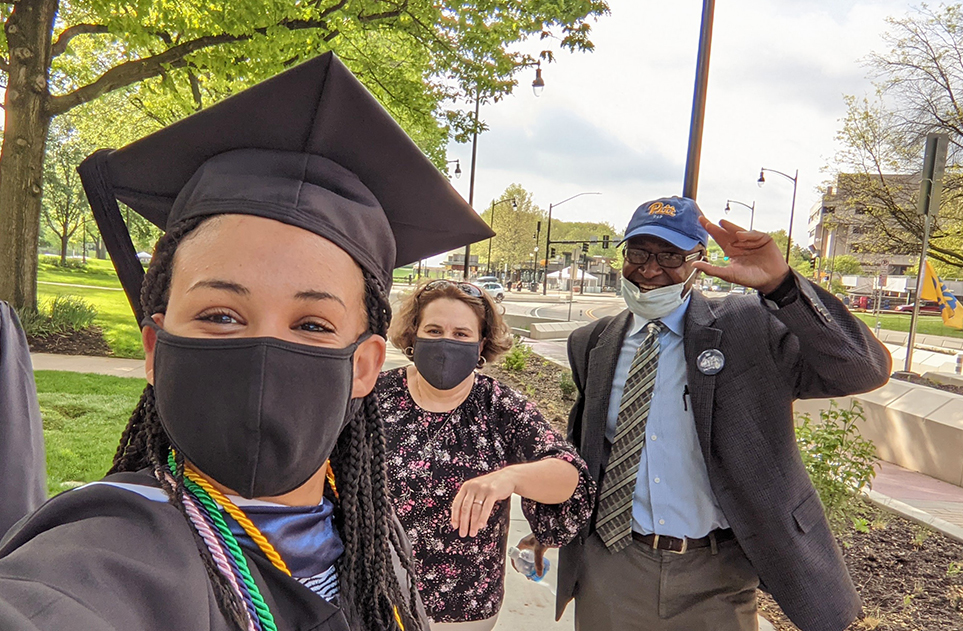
column 754, row 258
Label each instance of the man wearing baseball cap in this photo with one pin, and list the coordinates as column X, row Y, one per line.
column 684, row 416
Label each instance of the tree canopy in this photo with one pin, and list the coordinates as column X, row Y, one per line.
column 919, row 83
column 427, row 61
column 516, row 227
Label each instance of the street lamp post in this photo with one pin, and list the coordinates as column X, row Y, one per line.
column 457, row 164
column 752, row 209
column 471, row 179
column 538, row 231
column 491, row 226
column 548, row 236
column 792, row 209
column 537, row 86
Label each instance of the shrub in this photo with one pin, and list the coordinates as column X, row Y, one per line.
column 54, row 261
column 63, row 314
column 517, row 358
column 34, row 323
column 71, row 313
column 566, row 385
column 840, row 462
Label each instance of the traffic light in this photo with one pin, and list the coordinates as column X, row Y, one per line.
column 605, row 242
column 552, row 253
column 585, row 248
column 812, row 264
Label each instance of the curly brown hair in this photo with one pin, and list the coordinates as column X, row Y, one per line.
column 495, row 333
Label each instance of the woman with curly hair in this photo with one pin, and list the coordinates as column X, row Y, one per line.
column 460, row 444
column 249, row 489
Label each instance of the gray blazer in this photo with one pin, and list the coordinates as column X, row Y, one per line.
column 23, row 468
column 812, row 348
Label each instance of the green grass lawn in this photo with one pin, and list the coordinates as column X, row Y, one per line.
column 98, row 274
column 114, row 315
column 926, row 325
column 83, row 417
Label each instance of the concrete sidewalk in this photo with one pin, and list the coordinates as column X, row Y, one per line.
column 920, row 498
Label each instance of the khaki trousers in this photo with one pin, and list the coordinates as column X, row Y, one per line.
column 641, row 589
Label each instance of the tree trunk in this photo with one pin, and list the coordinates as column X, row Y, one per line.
column 101, row 252
column 29, row 30
column 64, row 240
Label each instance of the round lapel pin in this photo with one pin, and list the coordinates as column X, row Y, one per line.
column 711, row 362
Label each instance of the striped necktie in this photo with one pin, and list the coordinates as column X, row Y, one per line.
column 614, row 523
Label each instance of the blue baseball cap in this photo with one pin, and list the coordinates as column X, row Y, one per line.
column 672, row 219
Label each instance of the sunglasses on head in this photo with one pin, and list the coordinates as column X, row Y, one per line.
column 468, row 288
column 668, row 260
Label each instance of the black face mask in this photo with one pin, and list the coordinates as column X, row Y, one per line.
column 259, row 415
column 445, row 363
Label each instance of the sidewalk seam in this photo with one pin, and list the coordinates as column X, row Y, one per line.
column 915, row 514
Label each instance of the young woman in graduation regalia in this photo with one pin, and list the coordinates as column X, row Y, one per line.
column 264, row 312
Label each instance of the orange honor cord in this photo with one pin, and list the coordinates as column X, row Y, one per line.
column 238, row 515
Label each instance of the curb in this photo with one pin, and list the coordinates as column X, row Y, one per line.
column 557, row 362
column 916, row 515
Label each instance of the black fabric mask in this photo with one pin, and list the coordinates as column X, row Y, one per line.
column 445, row 363
column 259, row 415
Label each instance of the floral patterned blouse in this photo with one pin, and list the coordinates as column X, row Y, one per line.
column 430, row 455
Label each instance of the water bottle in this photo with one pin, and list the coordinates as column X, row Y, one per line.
column 525, row 563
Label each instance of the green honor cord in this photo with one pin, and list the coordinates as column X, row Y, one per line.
column 214, row 510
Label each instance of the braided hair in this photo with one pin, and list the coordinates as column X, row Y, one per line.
column 369, row 586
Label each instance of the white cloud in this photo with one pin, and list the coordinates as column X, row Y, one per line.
column 617, row 120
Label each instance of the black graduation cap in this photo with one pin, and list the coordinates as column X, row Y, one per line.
column 310, row 147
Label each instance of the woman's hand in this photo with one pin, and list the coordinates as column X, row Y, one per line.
column 754, row 258
column 476, row 499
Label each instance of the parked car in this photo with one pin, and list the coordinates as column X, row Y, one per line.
column 737, row 289
column 495, row 290
column 481, row 280
column 928, row 306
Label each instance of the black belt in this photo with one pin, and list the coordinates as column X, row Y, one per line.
column 674, row 544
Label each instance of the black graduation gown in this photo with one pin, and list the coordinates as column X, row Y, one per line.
column 101, row 558
column 23, row 468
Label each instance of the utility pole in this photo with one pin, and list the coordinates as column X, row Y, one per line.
column 693, row 157
column 934, row 162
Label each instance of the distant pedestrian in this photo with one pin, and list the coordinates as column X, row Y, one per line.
column 460, row 444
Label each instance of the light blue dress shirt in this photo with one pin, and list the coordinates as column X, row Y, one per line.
column 672, row 492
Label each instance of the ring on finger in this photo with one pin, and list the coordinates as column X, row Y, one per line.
column 479, row 502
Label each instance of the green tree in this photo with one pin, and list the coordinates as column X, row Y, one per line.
column 64, row 206
column 798, row 257
column 881, row 140
column 845, row 265
column 176, row 57
column 515, row 228
column 592, row 232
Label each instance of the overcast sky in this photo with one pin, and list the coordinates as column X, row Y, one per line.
column 616, row 120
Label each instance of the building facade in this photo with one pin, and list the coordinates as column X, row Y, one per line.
column 840, row 226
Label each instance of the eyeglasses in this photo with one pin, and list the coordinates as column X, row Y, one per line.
column 667, row 260
column 468, row 288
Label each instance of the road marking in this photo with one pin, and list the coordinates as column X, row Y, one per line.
column 590, row 313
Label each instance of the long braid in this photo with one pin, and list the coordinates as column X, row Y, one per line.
column 385, row 512
column 366, row 573
column 144, row 444
column 366, row 515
